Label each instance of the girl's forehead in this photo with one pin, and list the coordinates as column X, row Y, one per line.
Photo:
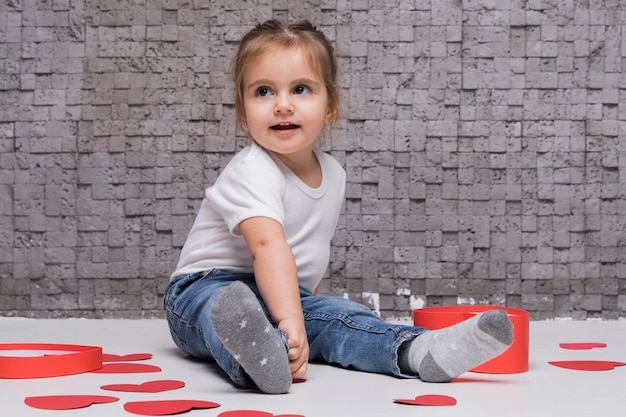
column 285, row 55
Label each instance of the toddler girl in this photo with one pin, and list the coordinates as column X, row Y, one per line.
column 244, row 290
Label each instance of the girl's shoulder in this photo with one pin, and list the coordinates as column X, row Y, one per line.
column 252, row 156
column 250, row 153
column 329, row 163
column 251, row 165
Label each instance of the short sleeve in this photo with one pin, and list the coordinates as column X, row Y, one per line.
column 247, row 188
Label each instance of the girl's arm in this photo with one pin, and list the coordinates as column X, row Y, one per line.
column 277, row 278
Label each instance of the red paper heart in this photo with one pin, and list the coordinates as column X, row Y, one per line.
column 150, row 386
column 254, row 413
column 298, row 380
column 432, row 399
column 166, row 407
column 106, row 357
column 126, row 368
column 588, row 365
column 582, row 346
column 67, row 402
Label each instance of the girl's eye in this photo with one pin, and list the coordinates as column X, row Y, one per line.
column 263, row 92
column 301, row 89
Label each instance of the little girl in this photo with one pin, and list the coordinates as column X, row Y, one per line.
column 244, row 291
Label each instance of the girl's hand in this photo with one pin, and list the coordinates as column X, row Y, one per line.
column 298, row 346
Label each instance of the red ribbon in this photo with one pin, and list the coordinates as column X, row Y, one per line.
column 81, row 359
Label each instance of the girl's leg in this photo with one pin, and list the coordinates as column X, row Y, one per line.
column 242, row 325
column 350, row 335
column 441, row 355
column 192, row 300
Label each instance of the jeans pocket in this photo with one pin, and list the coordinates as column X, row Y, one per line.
column 178, row 285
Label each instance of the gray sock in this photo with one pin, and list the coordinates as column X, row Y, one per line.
column 240, row 323
column 441, row 355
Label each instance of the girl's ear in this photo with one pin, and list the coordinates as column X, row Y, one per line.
column 331, row 116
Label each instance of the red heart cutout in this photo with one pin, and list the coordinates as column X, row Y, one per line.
column 126, row 368
column 582, row 346
column 166, row 407
column 588, row 365
column 432, row 399
column 254, row 413
column 67, row 402
column 107, row 357
column 150, row 386
column 298, row 380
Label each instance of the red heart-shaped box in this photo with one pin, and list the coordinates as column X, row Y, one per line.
column 514, row 360
column 71, row 360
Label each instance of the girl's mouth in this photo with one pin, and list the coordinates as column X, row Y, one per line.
column 285, row 126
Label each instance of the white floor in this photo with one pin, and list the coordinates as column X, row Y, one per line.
column 542, row 391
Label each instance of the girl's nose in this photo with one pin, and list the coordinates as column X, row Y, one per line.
column 283, row 104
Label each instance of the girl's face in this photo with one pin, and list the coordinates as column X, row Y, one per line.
column 285, row 103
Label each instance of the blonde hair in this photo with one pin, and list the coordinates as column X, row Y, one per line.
column 273, row 34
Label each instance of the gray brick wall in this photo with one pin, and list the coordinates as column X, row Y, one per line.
column 484, row 140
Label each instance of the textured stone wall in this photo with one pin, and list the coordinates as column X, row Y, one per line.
column 484, row 140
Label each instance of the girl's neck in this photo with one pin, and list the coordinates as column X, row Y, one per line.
column 305, row 167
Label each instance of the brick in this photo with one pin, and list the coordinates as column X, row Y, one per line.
column 492, row 177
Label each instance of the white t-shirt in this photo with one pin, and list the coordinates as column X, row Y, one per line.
column 255, row 183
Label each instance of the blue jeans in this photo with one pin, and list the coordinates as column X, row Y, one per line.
column 339, row 331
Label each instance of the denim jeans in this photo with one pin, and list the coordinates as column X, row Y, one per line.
column 339, row 331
